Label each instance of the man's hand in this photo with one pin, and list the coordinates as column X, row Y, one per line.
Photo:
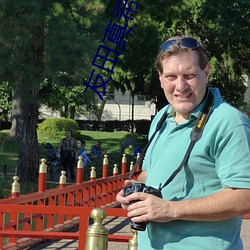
column 149, row 208
column 120, row 196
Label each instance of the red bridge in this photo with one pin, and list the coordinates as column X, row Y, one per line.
column 50, row 214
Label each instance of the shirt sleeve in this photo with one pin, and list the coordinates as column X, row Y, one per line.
column 233, row 158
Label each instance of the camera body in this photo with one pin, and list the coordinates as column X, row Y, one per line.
column 141, row 187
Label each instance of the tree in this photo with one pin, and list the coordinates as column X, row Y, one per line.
column 22, row 42
column 31, row 50
column 223, row 26
column 76, row 25
column 211, row 21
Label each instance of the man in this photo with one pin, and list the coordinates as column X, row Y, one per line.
column 201, row 207
column 68, row 151
column 96, row 150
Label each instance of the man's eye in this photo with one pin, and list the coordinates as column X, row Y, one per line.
column 190, row 76
column 171, row 77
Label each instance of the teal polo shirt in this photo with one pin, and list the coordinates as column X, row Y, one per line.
column 220, row 159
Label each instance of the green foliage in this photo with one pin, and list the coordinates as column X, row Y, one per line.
column 5, row 190
column 5, row 101
column 223, row 26
column 75, row 26
column 25, row 187
column 141, row 139
column 55, row 128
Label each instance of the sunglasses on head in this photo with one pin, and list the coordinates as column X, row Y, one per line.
column 186, row 42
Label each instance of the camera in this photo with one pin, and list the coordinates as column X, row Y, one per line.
column 141, row 187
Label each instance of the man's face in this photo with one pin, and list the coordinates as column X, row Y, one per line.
column 68, row 134
column 183, row 82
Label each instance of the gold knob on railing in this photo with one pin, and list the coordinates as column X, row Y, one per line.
column 115, row 169
column 133, row 242
column 97, row 234
column 92, row 173
column 43, row 167
column 63, row 178
column 105, row 160
column 124, row 158
column 80, row 162
column 131, row 165
column 15, row 187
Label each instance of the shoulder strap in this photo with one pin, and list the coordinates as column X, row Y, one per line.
column 141, row 157
column 194, row 136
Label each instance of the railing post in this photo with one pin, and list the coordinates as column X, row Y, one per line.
column 42, row 176
column 97, row 234
column 115, row 170
column 92, row 174
column 124, row 164
column 62, row 180
column 131, row 165
column 15, row 187
column 105, row 164
column 139, row 166
column 133, row 242
column 79, row 173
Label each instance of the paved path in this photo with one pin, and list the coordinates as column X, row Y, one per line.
column 121, row 226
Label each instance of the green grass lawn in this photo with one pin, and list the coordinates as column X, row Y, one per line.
column 9, row 149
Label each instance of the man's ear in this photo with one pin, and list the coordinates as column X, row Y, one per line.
column 207, row 71
column 160, row 77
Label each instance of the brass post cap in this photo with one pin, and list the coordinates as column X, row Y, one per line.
column 98, row 214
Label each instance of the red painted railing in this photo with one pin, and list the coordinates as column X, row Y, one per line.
column 37, row 215
column 79, row 216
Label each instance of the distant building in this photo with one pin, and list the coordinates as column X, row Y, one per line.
column 119, row 107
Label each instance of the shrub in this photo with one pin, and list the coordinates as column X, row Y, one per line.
column 55, row 128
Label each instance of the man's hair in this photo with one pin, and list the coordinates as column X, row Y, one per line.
column 99, row 142
column 178, row 49
column 69, row 131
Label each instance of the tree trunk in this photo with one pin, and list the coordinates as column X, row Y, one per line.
column 28, row 154
column 72, row 112
column 17, row 121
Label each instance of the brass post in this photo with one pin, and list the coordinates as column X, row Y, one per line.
column 97, row 234
column 115, row 170
column 62, row 180
column 133, row 242
column 15, row 187
column 105, row 164
column 124, row 164
column 92, row 174
column 79, row 171
column 131, row 165
column 139, row 166
column 42, row 176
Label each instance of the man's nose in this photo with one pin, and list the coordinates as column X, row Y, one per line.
column 181, row 83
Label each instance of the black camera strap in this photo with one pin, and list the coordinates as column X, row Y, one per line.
column 194, row 136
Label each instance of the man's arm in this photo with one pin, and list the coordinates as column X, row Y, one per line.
column 142, row 177
column 60, row 147
column 223, row 205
